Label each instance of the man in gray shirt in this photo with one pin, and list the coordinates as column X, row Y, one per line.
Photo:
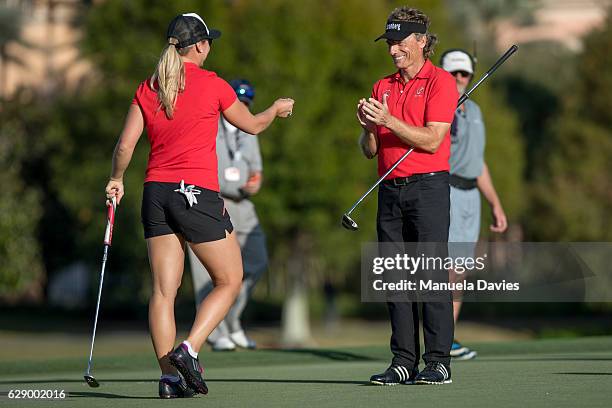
column 240, row 175
column 469, row 176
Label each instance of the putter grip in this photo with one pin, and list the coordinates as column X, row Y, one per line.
column 110, row 220
column 503, row 58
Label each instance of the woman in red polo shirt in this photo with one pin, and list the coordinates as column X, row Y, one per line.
column 179, row 106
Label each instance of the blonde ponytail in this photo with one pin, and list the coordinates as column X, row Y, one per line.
column 170, row 77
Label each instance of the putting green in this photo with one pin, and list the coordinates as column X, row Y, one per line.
column 542, row 373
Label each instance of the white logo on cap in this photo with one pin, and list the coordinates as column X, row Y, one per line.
column 394, row 26
column 199, row 18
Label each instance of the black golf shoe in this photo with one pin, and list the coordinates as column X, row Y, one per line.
column 174, row 389
column 395, row 375
column 434, row 373
column 189, row 368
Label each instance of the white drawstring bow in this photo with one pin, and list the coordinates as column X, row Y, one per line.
column 189, row 192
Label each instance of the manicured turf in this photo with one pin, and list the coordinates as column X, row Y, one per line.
column 552, row 373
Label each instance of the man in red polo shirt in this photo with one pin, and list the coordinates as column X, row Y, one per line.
column 413, row 107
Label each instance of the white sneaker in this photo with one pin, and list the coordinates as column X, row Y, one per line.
column 223, row 344
column 241, row 340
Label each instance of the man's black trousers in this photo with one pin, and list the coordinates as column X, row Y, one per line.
column 417, row 212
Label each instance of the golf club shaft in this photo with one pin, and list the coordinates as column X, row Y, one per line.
column 463, row 98
column 487, row 74
column 108, row 237
column 93, row 337
column 380, row 180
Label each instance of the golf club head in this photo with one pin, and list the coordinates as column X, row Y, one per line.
column 348, row 223
column 91, row 381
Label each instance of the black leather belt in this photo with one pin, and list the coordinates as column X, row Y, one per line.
column 402, row 181
column 462, row 183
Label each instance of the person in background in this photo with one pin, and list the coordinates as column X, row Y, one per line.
column 240, row 177
column 469, row 177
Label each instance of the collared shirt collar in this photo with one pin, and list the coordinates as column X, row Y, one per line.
column 424, row 72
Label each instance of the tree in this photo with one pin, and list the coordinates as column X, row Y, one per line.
column 572, row 199
column 21, row 268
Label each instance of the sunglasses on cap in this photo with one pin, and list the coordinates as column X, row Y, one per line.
column 464, row 74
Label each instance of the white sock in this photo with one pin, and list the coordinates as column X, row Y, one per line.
column 170, row 377
column 192, row 353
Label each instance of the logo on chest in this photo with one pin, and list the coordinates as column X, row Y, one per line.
column 419, row 92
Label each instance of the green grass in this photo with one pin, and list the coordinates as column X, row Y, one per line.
column 541, row 373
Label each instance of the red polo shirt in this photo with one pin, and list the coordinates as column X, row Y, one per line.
column 184, row 148
column 431, row 96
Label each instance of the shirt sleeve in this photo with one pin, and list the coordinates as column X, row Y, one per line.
column 227, row 96
column 374, row 95
column 374, row 90
column 442, row 100
column 138, row 93
column 140, row 99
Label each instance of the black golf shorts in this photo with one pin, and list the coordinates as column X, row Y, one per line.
column 166, row 211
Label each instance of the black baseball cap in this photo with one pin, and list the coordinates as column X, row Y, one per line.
column 190, row 28
column 397, row 30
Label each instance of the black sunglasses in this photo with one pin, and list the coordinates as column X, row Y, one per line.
column 464, row 74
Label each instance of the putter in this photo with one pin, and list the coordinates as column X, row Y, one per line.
column 347, row 221
column 108, row 237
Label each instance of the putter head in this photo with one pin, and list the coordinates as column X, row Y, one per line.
column 348, row 223
column 91, row 381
